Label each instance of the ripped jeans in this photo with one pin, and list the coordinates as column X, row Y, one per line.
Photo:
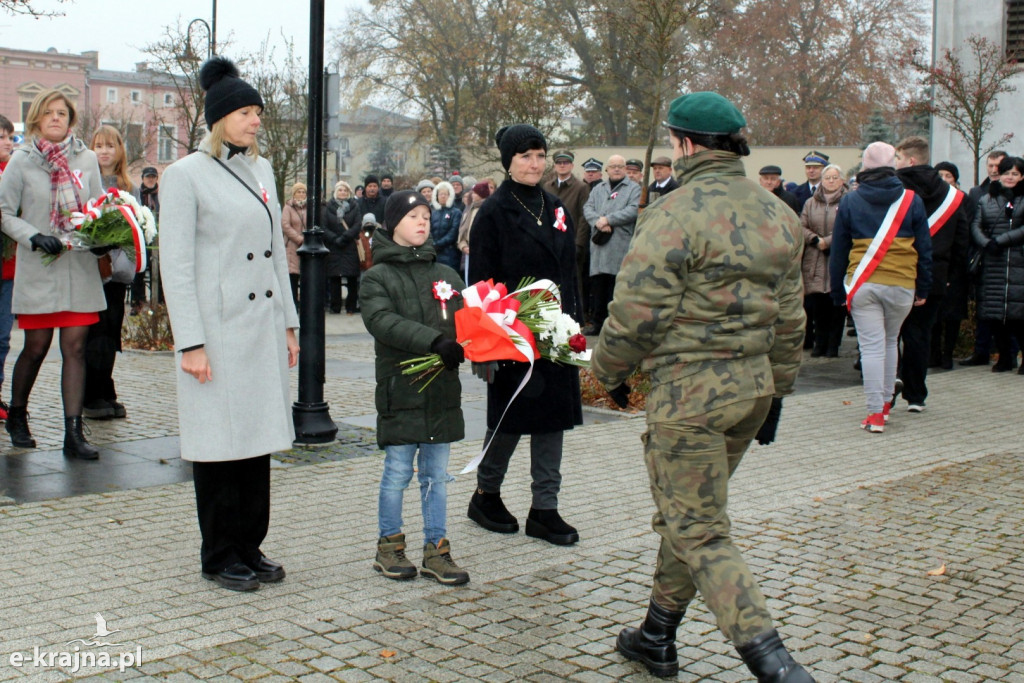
column 432, row 466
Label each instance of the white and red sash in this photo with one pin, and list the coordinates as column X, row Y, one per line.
column 879, row 246
column 946, row 209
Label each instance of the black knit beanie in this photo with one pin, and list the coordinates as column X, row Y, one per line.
column 512, row 140
column 371, row 179
column 225, row 91
column 399, row 204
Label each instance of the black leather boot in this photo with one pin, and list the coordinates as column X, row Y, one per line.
column 17, row 427
column 770, row 661
column 654, row 643
column 488, row 510
column 75, row 445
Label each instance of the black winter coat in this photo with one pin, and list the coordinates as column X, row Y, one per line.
column 1000, row 294
column 397, row 302
column 343, row 261
column 374, row 206
column 507, row 245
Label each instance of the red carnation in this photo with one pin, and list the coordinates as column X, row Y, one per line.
column 578, row 343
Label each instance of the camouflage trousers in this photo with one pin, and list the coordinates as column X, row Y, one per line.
column 689, row 463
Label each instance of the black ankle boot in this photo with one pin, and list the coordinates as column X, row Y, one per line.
column 17, row 427
column 770, row 661
column 654, row 643
column 549, row 526
column 488, row 510
column 75, row 445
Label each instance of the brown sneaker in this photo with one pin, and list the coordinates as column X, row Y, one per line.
column 391, row 560
column 439, row 565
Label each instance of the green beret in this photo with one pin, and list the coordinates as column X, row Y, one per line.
column 564, row 154
column 705, row 113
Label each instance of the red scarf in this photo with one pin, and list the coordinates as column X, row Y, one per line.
column 63, row 181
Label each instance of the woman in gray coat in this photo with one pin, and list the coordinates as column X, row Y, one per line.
column 225, row 277
column 50, row 176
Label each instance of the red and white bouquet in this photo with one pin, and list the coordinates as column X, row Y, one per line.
column 114, row 219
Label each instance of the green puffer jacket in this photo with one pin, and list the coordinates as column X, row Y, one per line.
column 399, row 309
column 712, row 275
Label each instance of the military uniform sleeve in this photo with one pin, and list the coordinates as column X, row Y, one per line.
column 787, row 350
column 648, row 291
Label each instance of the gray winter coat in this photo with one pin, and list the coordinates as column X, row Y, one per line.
column 72, row 282
column 225, row 277
column 621, row 211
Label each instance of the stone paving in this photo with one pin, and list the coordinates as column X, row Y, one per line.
column 841, row 527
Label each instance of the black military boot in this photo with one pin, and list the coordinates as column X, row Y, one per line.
column 770, row 661
column 75, row 445
column 654, row 643
column 17, row 427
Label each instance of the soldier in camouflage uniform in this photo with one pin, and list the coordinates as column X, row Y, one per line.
column 709, row 302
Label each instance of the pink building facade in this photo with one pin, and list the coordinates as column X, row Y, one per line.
column 142, row 104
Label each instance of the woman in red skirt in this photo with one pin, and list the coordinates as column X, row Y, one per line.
column 50, row 176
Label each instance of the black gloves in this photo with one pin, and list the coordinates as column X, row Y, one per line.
column 992, row 247
column 451, row 352
column 766, row 434
column 47, row 244
column 620, row 395
column 486, row 371
column 100, row 251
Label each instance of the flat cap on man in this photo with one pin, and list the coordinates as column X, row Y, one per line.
column 564, row 155
column 704, row 113
column 635, row 163
column 770, row 170
column 592, row 164
column 661, row 161
column 815, row 158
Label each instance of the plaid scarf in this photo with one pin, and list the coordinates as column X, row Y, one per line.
column 63, row 195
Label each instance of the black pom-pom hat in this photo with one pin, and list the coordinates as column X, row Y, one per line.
column 225, row 90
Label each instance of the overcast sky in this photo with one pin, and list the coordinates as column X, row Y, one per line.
column 90, row 25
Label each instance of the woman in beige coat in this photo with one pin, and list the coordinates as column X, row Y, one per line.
column 824, row 320
column 225, row 278
column 293, row 222
column 50, row 176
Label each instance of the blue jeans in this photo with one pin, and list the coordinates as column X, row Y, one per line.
column 432, row 466
column 6, row 323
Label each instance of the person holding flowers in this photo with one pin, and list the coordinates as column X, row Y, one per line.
column 408, row 301
column 225, row 276
column 52, row 175
column 117, row 271
column 521, row 233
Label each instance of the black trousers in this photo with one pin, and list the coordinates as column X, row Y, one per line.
column 602, row 287
column 825, row 323
column 916, row 335
column 545, row 465
column 1006, row 333
column 352, row 297
column 233, row 505
column 102, row 345
column 294, row 279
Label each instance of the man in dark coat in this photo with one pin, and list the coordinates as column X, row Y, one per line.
column 387, row 186
column 592, row 172
column 663, row 183
column 770, row 178
column 574, row 194
column 371, row 201
column 814, row 164
column 947, row 219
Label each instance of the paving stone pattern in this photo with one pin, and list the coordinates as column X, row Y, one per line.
column 841, row 527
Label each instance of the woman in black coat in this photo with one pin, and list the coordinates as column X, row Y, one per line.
column 341, row 225
column 515, row 236
column 998, row 230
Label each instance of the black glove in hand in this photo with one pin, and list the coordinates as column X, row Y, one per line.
column 766, row 434
column 47, row 244
column 620, row 395
column 451, row 352
column 486, row 371
column 992, row 247
column 100, row 251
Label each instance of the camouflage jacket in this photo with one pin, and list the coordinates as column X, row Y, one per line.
column 713, row 275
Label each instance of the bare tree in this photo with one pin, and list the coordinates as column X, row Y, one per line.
column 965, row 91
column 26, row 7
column 176, row 61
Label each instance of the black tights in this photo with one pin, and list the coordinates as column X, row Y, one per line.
column 72, row 379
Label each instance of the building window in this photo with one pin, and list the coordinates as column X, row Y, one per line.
column 1015, row 29
column 136, row 96
column 168, row 99
column 133, row 142
column 166, row 146
column 111, row 94
column 25, row 106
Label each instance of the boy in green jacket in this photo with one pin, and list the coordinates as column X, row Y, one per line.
column 407, row 306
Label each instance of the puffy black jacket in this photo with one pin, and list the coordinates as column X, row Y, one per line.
column 397, row 301
column 1000, row 294
column 340, row 238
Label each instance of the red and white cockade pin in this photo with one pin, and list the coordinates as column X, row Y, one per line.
column 442, row 292
column 76, row 178
column 263, row 193
column 560, row 219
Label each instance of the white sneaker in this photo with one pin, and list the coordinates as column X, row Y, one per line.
column 915, row 408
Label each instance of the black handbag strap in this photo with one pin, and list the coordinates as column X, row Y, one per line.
column 251, row 191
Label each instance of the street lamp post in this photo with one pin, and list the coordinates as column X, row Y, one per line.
column 189, row 53
column 310, row 414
